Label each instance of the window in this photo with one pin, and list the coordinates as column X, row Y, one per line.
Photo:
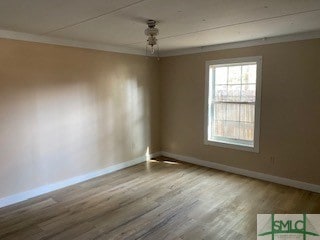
column 233, row 90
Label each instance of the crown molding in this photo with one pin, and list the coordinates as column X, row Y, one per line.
column 66, row 42
column 249, row 43
column 122, row 49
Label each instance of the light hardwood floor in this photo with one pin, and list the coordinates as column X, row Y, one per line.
column 155, row 200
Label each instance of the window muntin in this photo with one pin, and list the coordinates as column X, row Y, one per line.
column 232, row 102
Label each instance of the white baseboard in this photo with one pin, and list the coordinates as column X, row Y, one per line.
column 19, row 197
column 258, row 175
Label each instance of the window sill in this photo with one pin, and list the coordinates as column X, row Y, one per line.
column 238, row 146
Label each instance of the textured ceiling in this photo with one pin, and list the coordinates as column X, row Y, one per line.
column 183, row 23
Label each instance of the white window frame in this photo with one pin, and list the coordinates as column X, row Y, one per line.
column 229, row 143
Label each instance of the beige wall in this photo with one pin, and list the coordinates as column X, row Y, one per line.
column 290, row 110
column 67, row 111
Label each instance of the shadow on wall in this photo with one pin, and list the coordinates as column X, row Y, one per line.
column 65, row 112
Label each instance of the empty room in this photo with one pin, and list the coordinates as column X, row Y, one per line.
column 160, row 119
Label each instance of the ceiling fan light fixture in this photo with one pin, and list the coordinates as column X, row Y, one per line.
column 152, row 40
column 152, row 32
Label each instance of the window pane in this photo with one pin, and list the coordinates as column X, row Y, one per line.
column 249, row 73
column 247, row 131
column 234, row 75
column 232, row 103
column 220, row 111
column 218, row 128
column 233, row 112
column 247, row 113
column 248, row 92
column 221, row 75
column 221, row 92
column 234, row 93
column 231, row 129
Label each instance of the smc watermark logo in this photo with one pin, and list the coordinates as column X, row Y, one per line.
column 288, row 226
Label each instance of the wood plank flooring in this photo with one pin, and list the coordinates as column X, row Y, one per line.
column 160, row 199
